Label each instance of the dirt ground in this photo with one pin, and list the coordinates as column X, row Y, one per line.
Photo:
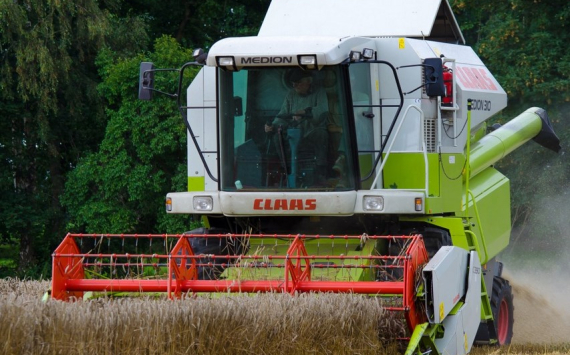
column 542, row 306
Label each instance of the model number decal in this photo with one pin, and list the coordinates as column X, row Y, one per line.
column 481, row 105
column 282, row 204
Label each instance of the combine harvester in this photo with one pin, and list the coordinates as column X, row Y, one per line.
column 382, row 185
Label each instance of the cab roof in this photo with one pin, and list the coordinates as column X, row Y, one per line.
column 427, row 19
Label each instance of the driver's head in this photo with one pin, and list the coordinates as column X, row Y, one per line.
column 301, row 81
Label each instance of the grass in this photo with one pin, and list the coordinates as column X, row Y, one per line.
column 256, row 324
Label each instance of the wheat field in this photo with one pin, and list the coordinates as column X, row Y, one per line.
column 255, row 324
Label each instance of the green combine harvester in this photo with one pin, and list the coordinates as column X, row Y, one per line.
column 344, row 149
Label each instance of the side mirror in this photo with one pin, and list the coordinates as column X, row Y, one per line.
column 146, row 81
column 199, row 55
column 433, row 77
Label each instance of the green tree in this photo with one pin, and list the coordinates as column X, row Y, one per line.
column 54, row 114
column 50, row 108
column 524, row 44
column 120, row 188
column 200, row 23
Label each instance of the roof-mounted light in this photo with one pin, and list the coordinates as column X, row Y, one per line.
column 355, row 56
column 367, row 53
column 308, row 61
column 226, row 62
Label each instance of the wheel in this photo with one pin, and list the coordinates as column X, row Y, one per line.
column 503, row 308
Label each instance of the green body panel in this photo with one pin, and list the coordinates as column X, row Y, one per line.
column 490, row 216
column 197, row 183
column 407, row 171
column 449, row 176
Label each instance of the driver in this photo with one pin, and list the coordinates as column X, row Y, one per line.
column 306, row 107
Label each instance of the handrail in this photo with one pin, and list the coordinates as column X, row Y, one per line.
column 398, row 110
column 423, row 143
column 478, row 219
column 183, row 111
column 468, row 192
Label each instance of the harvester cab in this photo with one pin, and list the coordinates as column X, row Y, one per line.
column 342, row 149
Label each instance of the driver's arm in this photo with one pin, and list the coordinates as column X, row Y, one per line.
column 283, row 112
column 321, row 107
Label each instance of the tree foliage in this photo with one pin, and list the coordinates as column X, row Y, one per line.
column 50, row 107
column 524, row 43
column 55, row 115
column 200, row 23
column 121, row 187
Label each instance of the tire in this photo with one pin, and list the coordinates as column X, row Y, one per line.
column 503, row 309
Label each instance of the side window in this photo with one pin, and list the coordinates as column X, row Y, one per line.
column 361, row 94
column 240, row 101
column 360, row 86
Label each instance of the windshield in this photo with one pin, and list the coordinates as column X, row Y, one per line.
column 284, row 128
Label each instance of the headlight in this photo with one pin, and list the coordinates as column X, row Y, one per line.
column 203, row 203
column 168, row 204
column 373, row 203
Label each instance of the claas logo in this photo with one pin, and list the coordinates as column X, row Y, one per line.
column 282, row 204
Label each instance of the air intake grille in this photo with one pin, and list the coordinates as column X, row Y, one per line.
column 430, row 135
